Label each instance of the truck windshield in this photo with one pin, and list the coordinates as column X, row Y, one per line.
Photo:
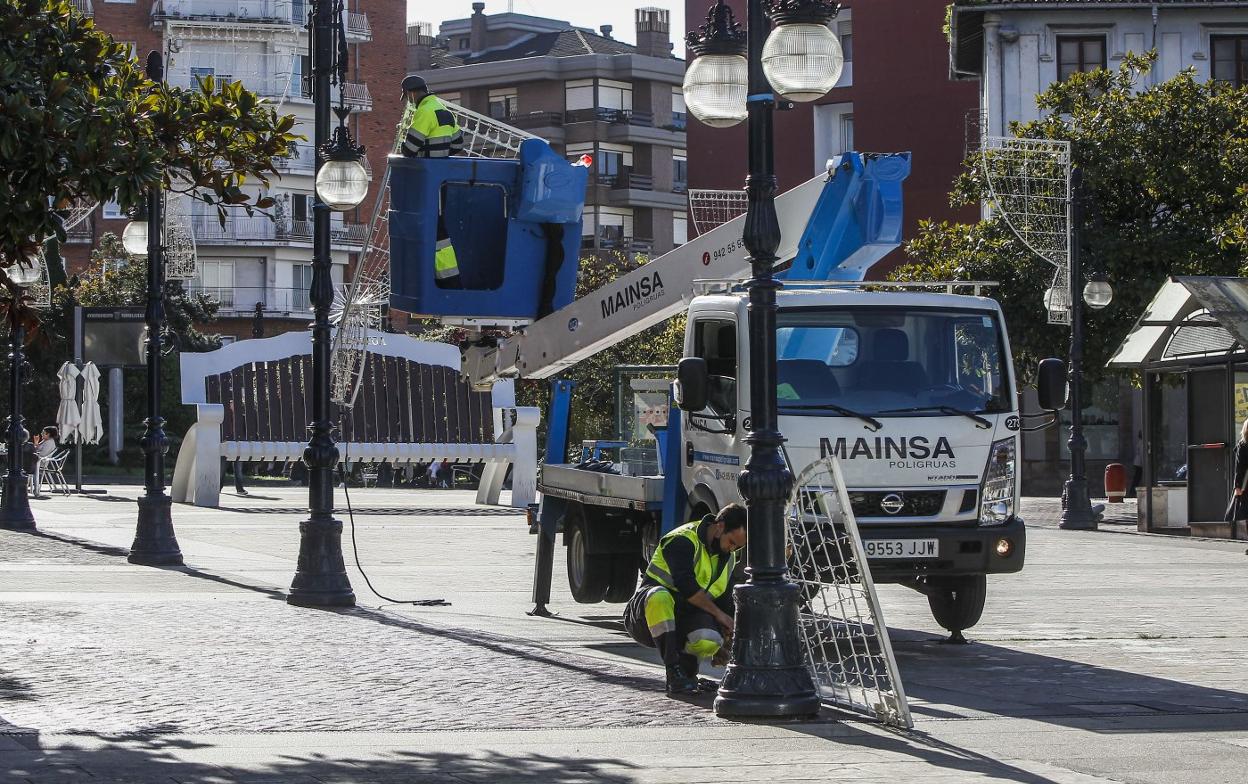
column 891, row 361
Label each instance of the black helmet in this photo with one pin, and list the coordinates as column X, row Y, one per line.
column 414, row 83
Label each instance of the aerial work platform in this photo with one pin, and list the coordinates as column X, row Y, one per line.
column 515, row 225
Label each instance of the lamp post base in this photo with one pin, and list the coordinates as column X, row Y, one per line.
column 321, row 579
column 1078, row 514
column 767, row 677
column 15, row 514
column 155, row 543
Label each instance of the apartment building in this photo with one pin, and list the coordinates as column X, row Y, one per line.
column 586, row 93
column 894, row 95
column 261, row 265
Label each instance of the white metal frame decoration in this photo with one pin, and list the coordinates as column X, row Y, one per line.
column 847, row 645
column 359, row 309
column 181, row 259
column 711, row 209
column 1029, row 185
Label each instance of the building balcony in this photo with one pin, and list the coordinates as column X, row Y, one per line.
column 617, row 242
column 241, row 301
column 261, row 230
column 680, row 186
column 358, row 28
column 344, row 235
column 228, row 12
column 531, row 120
column 610, row 116
column 627, row 181
column 356, row 96
column 302, row 160
column 83, row 7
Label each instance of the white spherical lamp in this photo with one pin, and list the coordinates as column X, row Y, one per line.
column 717, row 81
column 802, row 57
column 134, row 238
column 1098, row 293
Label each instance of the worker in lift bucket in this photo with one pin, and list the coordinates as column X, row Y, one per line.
column 433, row 132
column 684, row 605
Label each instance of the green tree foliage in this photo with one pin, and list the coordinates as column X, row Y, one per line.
column 82, row 122
column 1165, row 169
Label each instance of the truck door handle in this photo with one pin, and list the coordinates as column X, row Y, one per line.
column 689, row 453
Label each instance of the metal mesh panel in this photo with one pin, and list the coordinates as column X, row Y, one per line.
column 711, row 209
column 1029, row 185
column 40, row 292
column 77, row 212
column 1057, row 298
column 180, row 255
column 359, row 307
column 847, row 645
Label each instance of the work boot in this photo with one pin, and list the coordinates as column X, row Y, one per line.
column 688, row 664
column 679, row 683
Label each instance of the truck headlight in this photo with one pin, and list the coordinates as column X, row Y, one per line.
column 996, row 498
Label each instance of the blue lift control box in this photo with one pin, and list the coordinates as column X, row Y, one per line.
column 515, row 225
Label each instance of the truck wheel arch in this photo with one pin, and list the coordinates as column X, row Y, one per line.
column 701, row 502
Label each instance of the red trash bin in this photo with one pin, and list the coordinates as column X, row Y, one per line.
column 1115, row 482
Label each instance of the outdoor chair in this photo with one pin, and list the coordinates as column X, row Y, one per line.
column 50, row 470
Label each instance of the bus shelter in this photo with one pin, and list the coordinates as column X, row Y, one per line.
column 1189, row 349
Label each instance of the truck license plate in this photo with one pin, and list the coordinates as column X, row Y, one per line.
column 901, row 548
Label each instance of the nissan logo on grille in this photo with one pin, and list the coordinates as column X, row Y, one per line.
column 892, row 503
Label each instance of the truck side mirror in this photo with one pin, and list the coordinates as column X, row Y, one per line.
column 692, row 380
column 1051, row 384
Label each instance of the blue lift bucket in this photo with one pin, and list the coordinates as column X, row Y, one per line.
column 515, row 226
column 857, row 220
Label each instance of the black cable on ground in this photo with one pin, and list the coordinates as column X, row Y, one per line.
column 355, row 550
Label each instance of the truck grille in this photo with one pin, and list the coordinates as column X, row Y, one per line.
column 918, row 503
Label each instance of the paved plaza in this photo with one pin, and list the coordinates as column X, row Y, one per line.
column 1111, row 657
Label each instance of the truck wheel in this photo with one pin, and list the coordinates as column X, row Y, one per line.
column 957, row 602
column 588, row 575
column 623, row 579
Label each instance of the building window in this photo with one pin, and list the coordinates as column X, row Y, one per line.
column 615, row 95
column 845, row 31
column 1230, row 59
column 451, row 98
column 680, row 171
column 579, row 95
column 613, row 163
column 503, row 103
column 614, row 227
column 464, row 42
column 112, row 210
column 216, row 280
column 680, row 228
column 834, row 132
column 573, row 152
column 300, row 206
column 301, row 285
column 680, row 114
column 1079, row 54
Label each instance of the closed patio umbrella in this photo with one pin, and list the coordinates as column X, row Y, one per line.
column 91, row 428
column 68, row 415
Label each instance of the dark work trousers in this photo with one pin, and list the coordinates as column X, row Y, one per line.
column 692, row 632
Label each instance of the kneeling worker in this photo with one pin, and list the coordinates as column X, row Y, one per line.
column 684, row 605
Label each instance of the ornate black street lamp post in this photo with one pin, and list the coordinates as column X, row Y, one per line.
column 341, row 184
column 1077, row 512
column 15, row 514
column 802, row 60
column 155, row 543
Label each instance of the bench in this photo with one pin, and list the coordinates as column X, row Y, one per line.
column 253, row 404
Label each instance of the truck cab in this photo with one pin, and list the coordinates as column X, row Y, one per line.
column 912, row 391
